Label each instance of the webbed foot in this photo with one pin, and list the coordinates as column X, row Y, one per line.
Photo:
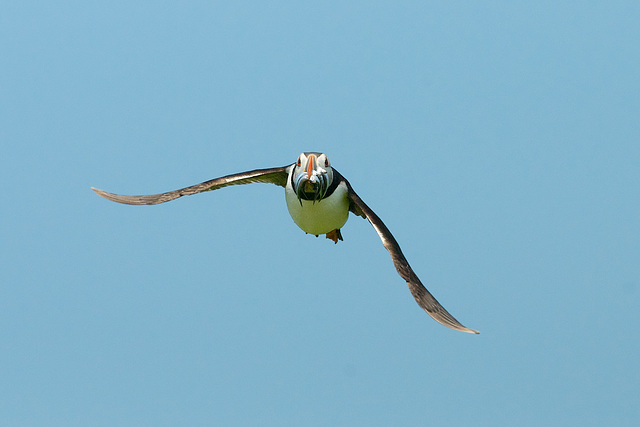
column 334, row 235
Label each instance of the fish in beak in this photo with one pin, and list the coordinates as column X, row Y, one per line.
column 311, row 181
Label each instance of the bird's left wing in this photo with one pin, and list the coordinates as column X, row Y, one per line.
column 276, row 176
column 420, row 293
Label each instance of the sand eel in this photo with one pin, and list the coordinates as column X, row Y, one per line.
column 319, row 200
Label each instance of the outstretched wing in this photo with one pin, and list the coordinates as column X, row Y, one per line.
column 276, row 176
column 420, row 293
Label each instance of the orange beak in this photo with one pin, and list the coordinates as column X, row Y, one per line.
column 310, row 165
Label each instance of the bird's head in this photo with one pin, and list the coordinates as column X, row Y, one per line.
column 312, row 176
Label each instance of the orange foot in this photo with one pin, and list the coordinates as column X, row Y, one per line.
column 334, row 235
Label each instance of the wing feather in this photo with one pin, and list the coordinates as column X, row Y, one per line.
column 276, row 176
column 420, row 293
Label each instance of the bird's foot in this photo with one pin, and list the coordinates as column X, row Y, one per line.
column 334, row 235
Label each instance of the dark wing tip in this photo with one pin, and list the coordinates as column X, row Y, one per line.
column 105, row 194
column 442, row 316
column 428, row 303
column 468, row 330
column 101, row 193
column 136, row 200
column 449, row 321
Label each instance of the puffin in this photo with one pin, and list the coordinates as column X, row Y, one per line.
column 319, row 200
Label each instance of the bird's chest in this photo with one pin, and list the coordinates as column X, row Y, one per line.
column 323, row 216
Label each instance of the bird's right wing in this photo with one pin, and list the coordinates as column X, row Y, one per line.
column 276, row 176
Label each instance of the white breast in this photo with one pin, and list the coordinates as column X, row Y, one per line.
column 322, row 216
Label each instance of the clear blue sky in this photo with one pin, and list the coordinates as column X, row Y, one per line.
column 499, row 141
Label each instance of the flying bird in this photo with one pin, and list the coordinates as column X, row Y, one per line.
column 319, row 200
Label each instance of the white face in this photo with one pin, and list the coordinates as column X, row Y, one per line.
column 312, row 176
column 319, row 159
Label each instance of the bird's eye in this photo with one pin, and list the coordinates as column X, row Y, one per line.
column 326, row 162
column 299, row 162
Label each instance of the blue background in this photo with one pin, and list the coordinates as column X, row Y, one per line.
column 499, row 141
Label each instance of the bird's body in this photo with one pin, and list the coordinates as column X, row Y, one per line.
column 318, row 218
column 319, row 200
